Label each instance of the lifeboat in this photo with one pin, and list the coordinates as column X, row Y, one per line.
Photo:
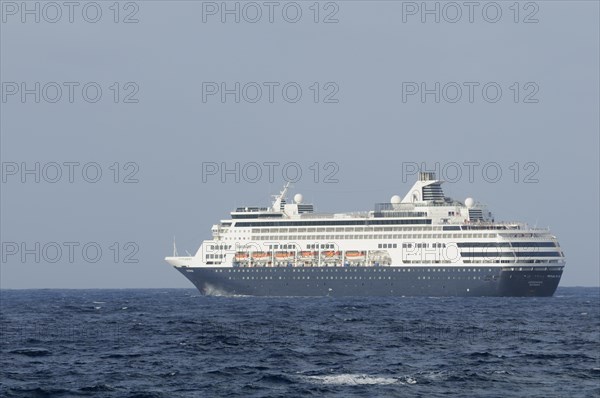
column 355, row 255
column 308, row 254
column 241, row 256
column 330, row 254
column 284, row 255
column 260, row 256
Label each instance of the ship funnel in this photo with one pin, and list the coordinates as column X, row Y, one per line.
column 426, row 189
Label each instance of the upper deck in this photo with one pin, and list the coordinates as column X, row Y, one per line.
column 424, row 204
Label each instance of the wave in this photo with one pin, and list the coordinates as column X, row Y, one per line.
column 38, row 392
column 31, row 352
column 97, row 388
column 351, row 379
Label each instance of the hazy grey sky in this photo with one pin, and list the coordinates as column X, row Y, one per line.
column 159, row 119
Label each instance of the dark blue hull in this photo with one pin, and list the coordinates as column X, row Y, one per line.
column 376, row 281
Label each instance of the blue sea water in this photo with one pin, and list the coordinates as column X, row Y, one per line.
column 176, row 343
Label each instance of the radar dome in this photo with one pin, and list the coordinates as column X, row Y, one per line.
column 298, row 198
column 469, row 202
column 395, row 200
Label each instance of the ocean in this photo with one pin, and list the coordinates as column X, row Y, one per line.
column 176, row 343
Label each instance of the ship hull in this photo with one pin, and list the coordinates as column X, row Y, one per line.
column 375, row 281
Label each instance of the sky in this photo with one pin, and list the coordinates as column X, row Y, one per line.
column 124, row 126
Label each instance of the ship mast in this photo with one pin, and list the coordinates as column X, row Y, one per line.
column 175, row 254
column 278, row 198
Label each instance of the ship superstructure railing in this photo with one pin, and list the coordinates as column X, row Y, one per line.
column 411, row 206
column 335, row 216
column 250, row 209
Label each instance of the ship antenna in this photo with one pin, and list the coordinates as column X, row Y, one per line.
column 174, row 248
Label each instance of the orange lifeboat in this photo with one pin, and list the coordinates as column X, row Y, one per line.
column 284, row 255
column 260, row 255
column 308, row 254
column 240, row 256
column 354, row 254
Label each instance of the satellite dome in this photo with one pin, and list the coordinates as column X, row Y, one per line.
column 298, row 198
column 395, row 200
column 469, row 202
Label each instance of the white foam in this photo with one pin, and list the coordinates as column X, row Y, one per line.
column 349, row 379
column 211, row 290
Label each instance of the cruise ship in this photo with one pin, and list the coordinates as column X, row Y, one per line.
column 422, row 244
